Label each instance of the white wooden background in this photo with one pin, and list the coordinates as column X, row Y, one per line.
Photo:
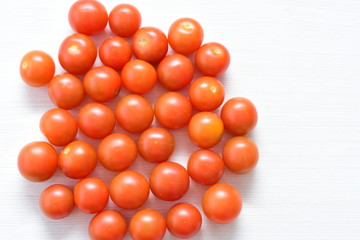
column 297, row 60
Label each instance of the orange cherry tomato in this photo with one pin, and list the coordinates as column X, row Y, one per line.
column 115, row 52
column 107, row 224
column 124, row 20
column 147, row 224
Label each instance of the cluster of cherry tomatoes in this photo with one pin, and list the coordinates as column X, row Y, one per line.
column 168, row 180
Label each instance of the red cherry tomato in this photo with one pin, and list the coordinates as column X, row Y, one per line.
column 37, row 161
column 107, row 225
column 212, row 59
column 58, row 126
column 185, row 35
column 115, row 52
column 129, row 189
column 173, row 110
column 147, row 224
column 77, row 159
column 57, row 201
column 37, row 68
column 117, row 152
column 88, row 17
column 124, row 20
column 77, row 53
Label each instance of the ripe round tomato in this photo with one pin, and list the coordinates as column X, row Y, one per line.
column 239, row 116
column 96, row 120
column 183, row 220
column 173, row 110
column 206, row 93
column 185, row 35
column 138, row 76
column 77, row 53
column 175, row 72
column 66, row 91
column 37, row 68
column 147, row 224
column 77, row 159
column 222, row 203
column 169, row 181
column 107, row 225
column 240, row 154
column 150, row 44
column 117, row 152
column 37, row 161
column 134, row 113
column 115, row 52
column 124, row 20
column 156, row 145
column 205, row 167
column 129, row 189
column 57, row 201
column 212, row 59
column 205, row 129
column 102, row 83
column 91, row 195
column 58, row 126
column 88, row 17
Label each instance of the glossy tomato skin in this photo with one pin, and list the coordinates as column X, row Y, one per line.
column 66, row 91
column 183, row 220
column 222, row 203
column 185, row 35
column 129, row 190
column 240, row 154
column 175, row 72
column 115, row 52
column 88, row 17
column 124, row 20
column 147, row 224
column 77, row 53
column 77, row 159
column 37, row 68
column 205, row 129
column 212, row 59
column 107, row 225
column 134, row 113
column 58, row 126
column 173, row 110
column 117, row 152
column 150, row 44
column 239, row 116
column 57, row 201
column 37, row 161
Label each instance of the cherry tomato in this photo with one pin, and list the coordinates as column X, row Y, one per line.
column 134, row 113
column 37, row 68
column 156, row 145
column 115, row 52
column 77, row 159
column 37, row 161
column 117, row 152
column 58, row 126
column 239, row 116
column 173, row 110
column 183, row 220
column 212, row 59
column 222, row 203
column 147, row 224
column 66, row 91
column 107, row 225
column 206, row 93
column 175, row 72
column 129, row 189
column 124, row 20
column 205, row 129
column 88, row 17
column 57, row 201
column 205, row 167
column 138, row 76
column 77, row 53
column 240, row 154
column 150, row 44
column 185, row 35
column 169, row 181
column 96, row 120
